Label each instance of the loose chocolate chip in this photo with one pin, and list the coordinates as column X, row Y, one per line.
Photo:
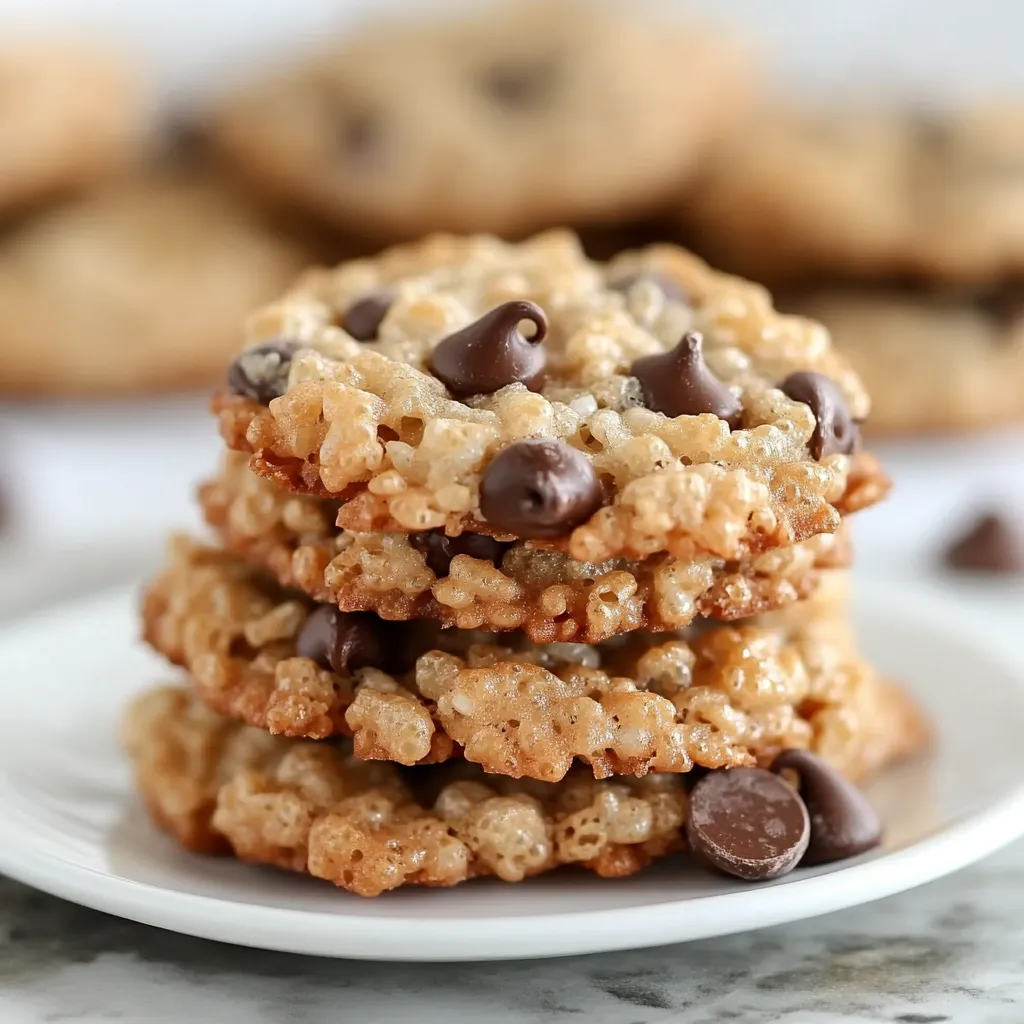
column 678, row 383
column 539, row 489
column 342, row 641
column 261, row 372
column 835, row 432
column 668, row 286
column 521, row 86
column 843, row 823
column 363, row 318
column 747, row 822
column 492, row 352
column 991, row 544
column 440, row 550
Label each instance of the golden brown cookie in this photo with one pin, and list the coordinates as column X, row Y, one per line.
column 141, row 287
column 713, row 697
column 506, row 120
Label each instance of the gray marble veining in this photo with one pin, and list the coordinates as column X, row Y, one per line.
column 951, row 951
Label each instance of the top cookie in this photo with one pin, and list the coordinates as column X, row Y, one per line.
column 648, row 404
column 936, row 197
column 528, row 115
column 69, row 116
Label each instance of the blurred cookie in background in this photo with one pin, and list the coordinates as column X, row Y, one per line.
column 526, row 115
column 939, row 362
column 867, row 195
column 70, row 116
column 139, row 287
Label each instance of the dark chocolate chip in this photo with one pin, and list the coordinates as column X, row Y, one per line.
column 492, row 352
column 1004, row 304
column 343, row 641
column 992, row 544
column 835, row 431
column 539, row 489
column 668, row 286
column 360, row 135
column 521, row 86
column 363, row 318
column 678, row 383
column 843, row 823
column 747, row 822
column 261, row 372
column 440, row 549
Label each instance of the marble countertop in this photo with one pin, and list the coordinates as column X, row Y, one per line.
column 950, row 951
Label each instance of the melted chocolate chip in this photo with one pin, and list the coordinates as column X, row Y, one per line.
column 363, row 318
column 843, row 823
column 835, row 432
column 521, row 86
column 678, row 383
column 747, row 822
column 261, row 372
column 492, row 352
column 539, row 489
column 668, row 286
column 992, row 544
column 342, row 641
column 440, row 550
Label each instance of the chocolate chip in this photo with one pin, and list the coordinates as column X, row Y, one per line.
column 492, row 352
column 668, row 286
column 363, row 318
column 1004, row 304
column 521, row 86
column 678, row 383
column 747, row 822
column 835, row 432
column 440, row 549
column 992, row 544
column 261, row 372
column 360, row 135
column 342, row 641
column 843, row 823
column 539, row 489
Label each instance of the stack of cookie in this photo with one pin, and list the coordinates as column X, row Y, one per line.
column 521, row 561
column 903, row 232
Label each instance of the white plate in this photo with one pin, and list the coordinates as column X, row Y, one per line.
column 69, row 823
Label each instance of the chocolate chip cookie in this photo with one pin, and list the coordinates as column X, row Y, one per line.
column 140, row 287
column 70, row 116
column 506, row 120
column 867, row 195
column 521, row 391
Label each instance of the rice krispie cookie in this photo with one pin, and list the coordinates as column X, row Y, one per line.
column 505, row 120
column 475, row 582
column 522, row 391
column 661, row 702
column 932, row 362
column 218, row 787
column 70, row 115
column 140, row 287
column 938, row 196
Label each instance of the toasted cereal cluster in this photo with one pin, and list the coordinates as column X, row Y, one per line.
column 218, row 786
column 489, row 585
column 425, row 381
column 715, row 697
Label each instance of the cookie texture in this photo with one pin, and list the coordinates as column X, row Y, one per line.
column 220, row 787
column 475, row 582
column 140, row 287
column 933, row 362
column 507, row 119
column 713, row 697
column 71, row 115
column 579, row 458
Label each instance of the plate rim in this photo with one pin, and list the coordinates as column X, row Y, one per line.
column 346, row 933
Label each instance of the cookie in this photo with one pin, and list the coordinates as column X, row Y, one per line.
column 219, row 787
column 711, row 697
column 867, row 195
column 141, row 287
column 524, row 392
column 506, row 120
column 70, row 116
column 932, row 362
